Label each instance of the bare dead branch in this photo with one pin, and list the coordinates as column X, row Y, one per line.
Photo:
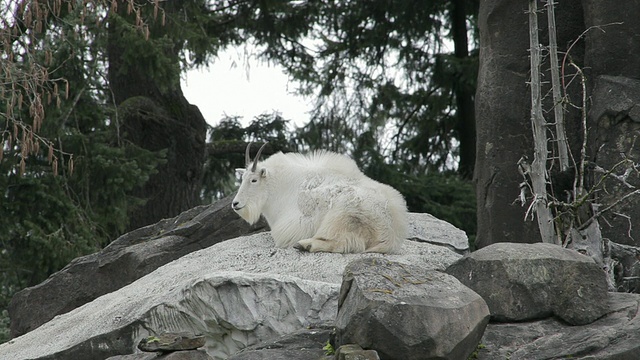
column 561, row 136
column 538, row 171
column 599, row 213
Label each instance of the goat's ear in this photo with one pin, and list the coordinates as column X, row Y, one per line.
column 263, row 172
column 240, row 172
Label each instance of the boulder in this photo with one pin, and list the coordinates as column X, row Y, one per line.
column 421, row 225
column 304, row 344
column 235, row 293
column 522, row 282
column 627, row 269
column 406, row 312
column 176, row 355
column 125, row 260
column 616, row 336
column 139, row 252
column 355, row 352
column 167, row 342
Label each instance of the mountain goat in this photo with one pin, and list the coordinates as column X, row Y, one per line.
column 321, row 202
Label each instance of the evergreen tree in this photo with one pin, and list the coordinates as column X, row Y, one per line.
column 67, row 174
column 383, row 70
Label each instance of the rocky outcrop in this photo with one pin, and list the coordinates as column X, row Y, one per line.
column 619, row 30
column 305, row 344
column 244, row 293
column 236, row 293
column 421, row 225
column 169, row 342
column 177, row 355
column 615, row 336
column 523, row 282
column 405, row 312
column 616, row 115
column 141, row 251
column 556, row 302
column 125, row 260
column 501, row 114
column 355, row 352
column 627, row 269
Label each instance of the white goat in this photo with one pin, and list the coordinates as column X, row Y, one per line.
column 321, row 202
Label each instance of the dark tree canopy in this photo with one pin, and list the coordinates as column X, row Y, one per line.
column 382, row 70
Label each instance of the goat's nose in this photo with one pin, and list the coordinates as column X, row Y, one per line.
column 235, row 204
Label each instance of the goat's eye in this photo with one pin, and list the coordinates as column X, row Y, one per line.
column 254, row 180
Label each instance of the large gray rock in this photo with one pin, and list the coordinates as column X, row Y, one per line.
column 616, row 336
column 168, row 342
column 422, row 225
column 304, row 344
column 404, row 312
column 125, row 260
column 532, row 281
column 139, row 252
column 616, row 116
column 627, row 270
column 176, row 355
column 355, row 352
column 236, row 293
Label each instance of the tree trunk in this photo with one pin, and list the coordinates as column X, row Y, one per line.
column 466, row 121
column 154, row 114
column 503, row 113
column 503, row 125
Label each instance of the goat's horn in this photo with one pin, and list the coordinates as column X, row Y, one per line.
column 247, row 154
column 255, row 160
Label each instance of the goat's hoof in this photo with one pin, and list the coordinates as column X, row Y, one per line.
column 301, row 247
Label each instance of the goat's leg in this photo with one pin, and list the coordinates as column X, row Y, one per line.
column 315, row 244
column 339, row 232
column 321, row 244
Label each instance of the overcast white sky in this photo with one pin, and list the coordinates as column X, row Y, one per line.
column 231, row 87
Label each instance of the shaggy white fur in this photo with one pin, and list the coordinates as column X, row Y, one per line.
column 322, row 202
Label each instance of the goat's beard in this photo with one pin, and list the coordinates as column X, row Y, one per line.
column 249, row 213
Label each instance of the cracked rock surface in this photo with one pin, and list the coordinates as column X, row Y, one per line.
column 236, row 293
